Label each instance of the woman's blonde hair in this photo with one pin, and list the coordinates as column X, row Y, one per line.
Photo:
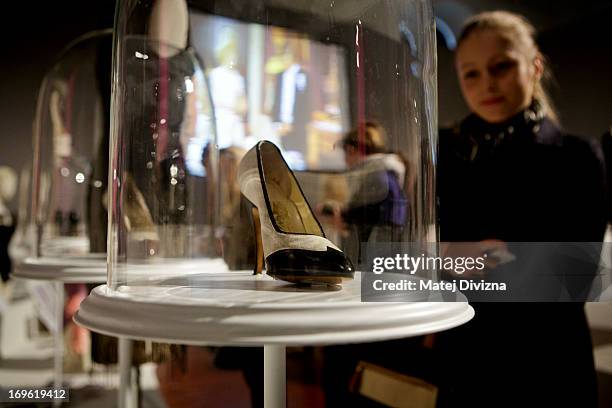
column 519, row 32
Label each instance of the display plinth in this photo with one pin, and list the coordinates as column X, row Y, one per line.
column 244, row 310
column 69, row 269
column 89, row 268
column 240, row 309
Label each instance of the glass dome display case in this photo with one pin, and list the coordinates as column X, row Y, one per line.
column 62, row 237
column 70, row 143
column 252, row 134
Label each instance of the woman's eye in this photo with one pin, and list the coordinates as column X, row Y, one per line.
column 470, row 74
column 501, row 67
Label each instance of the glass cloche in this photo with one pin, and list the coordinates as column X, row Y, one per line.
column 285, row 136
column 70, row 144
column 20, row 246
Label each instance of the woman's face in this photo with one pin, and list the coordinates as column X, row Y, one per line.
column 497, row 81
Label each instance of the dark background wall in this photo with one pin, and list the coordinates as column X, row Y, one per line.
column 575, row 35
column 33, row 34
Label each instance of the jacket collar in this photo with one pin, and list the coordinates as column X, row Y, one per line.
column 478, row 138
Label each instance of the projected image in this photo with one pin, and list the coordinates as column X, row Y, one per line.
column 270, row 83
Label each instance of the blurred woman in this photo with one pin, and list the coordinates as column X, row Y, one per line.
column 377, row 208
column 509, row 173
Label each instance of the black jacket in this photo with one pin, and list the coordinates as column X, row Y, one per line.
column 521, row 181
column 531, row 186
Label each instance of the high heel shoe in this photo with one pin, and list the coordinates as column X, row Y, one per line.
column 294, row 245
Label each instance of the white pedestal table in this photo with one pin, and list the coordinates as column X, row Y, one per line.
column 60, row 270
column 238, row 309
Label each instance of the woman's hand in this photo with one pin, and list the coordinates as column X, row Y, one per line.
column 330, row 213
column 493, row 252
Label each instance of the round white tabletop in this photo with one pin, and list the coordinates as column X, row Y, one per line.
column 87, row 268
column 237, row 308
column 70, row 269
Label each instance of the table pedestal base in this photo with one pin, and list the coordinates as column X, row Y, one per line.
column 274, row 376
column 128, row 378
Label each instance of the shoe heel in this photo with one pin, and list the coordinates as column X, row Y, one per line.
column 256, row 224
column 259, row 253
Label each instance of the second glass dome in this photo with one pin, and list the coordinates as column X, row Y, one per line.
column 70, row 164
